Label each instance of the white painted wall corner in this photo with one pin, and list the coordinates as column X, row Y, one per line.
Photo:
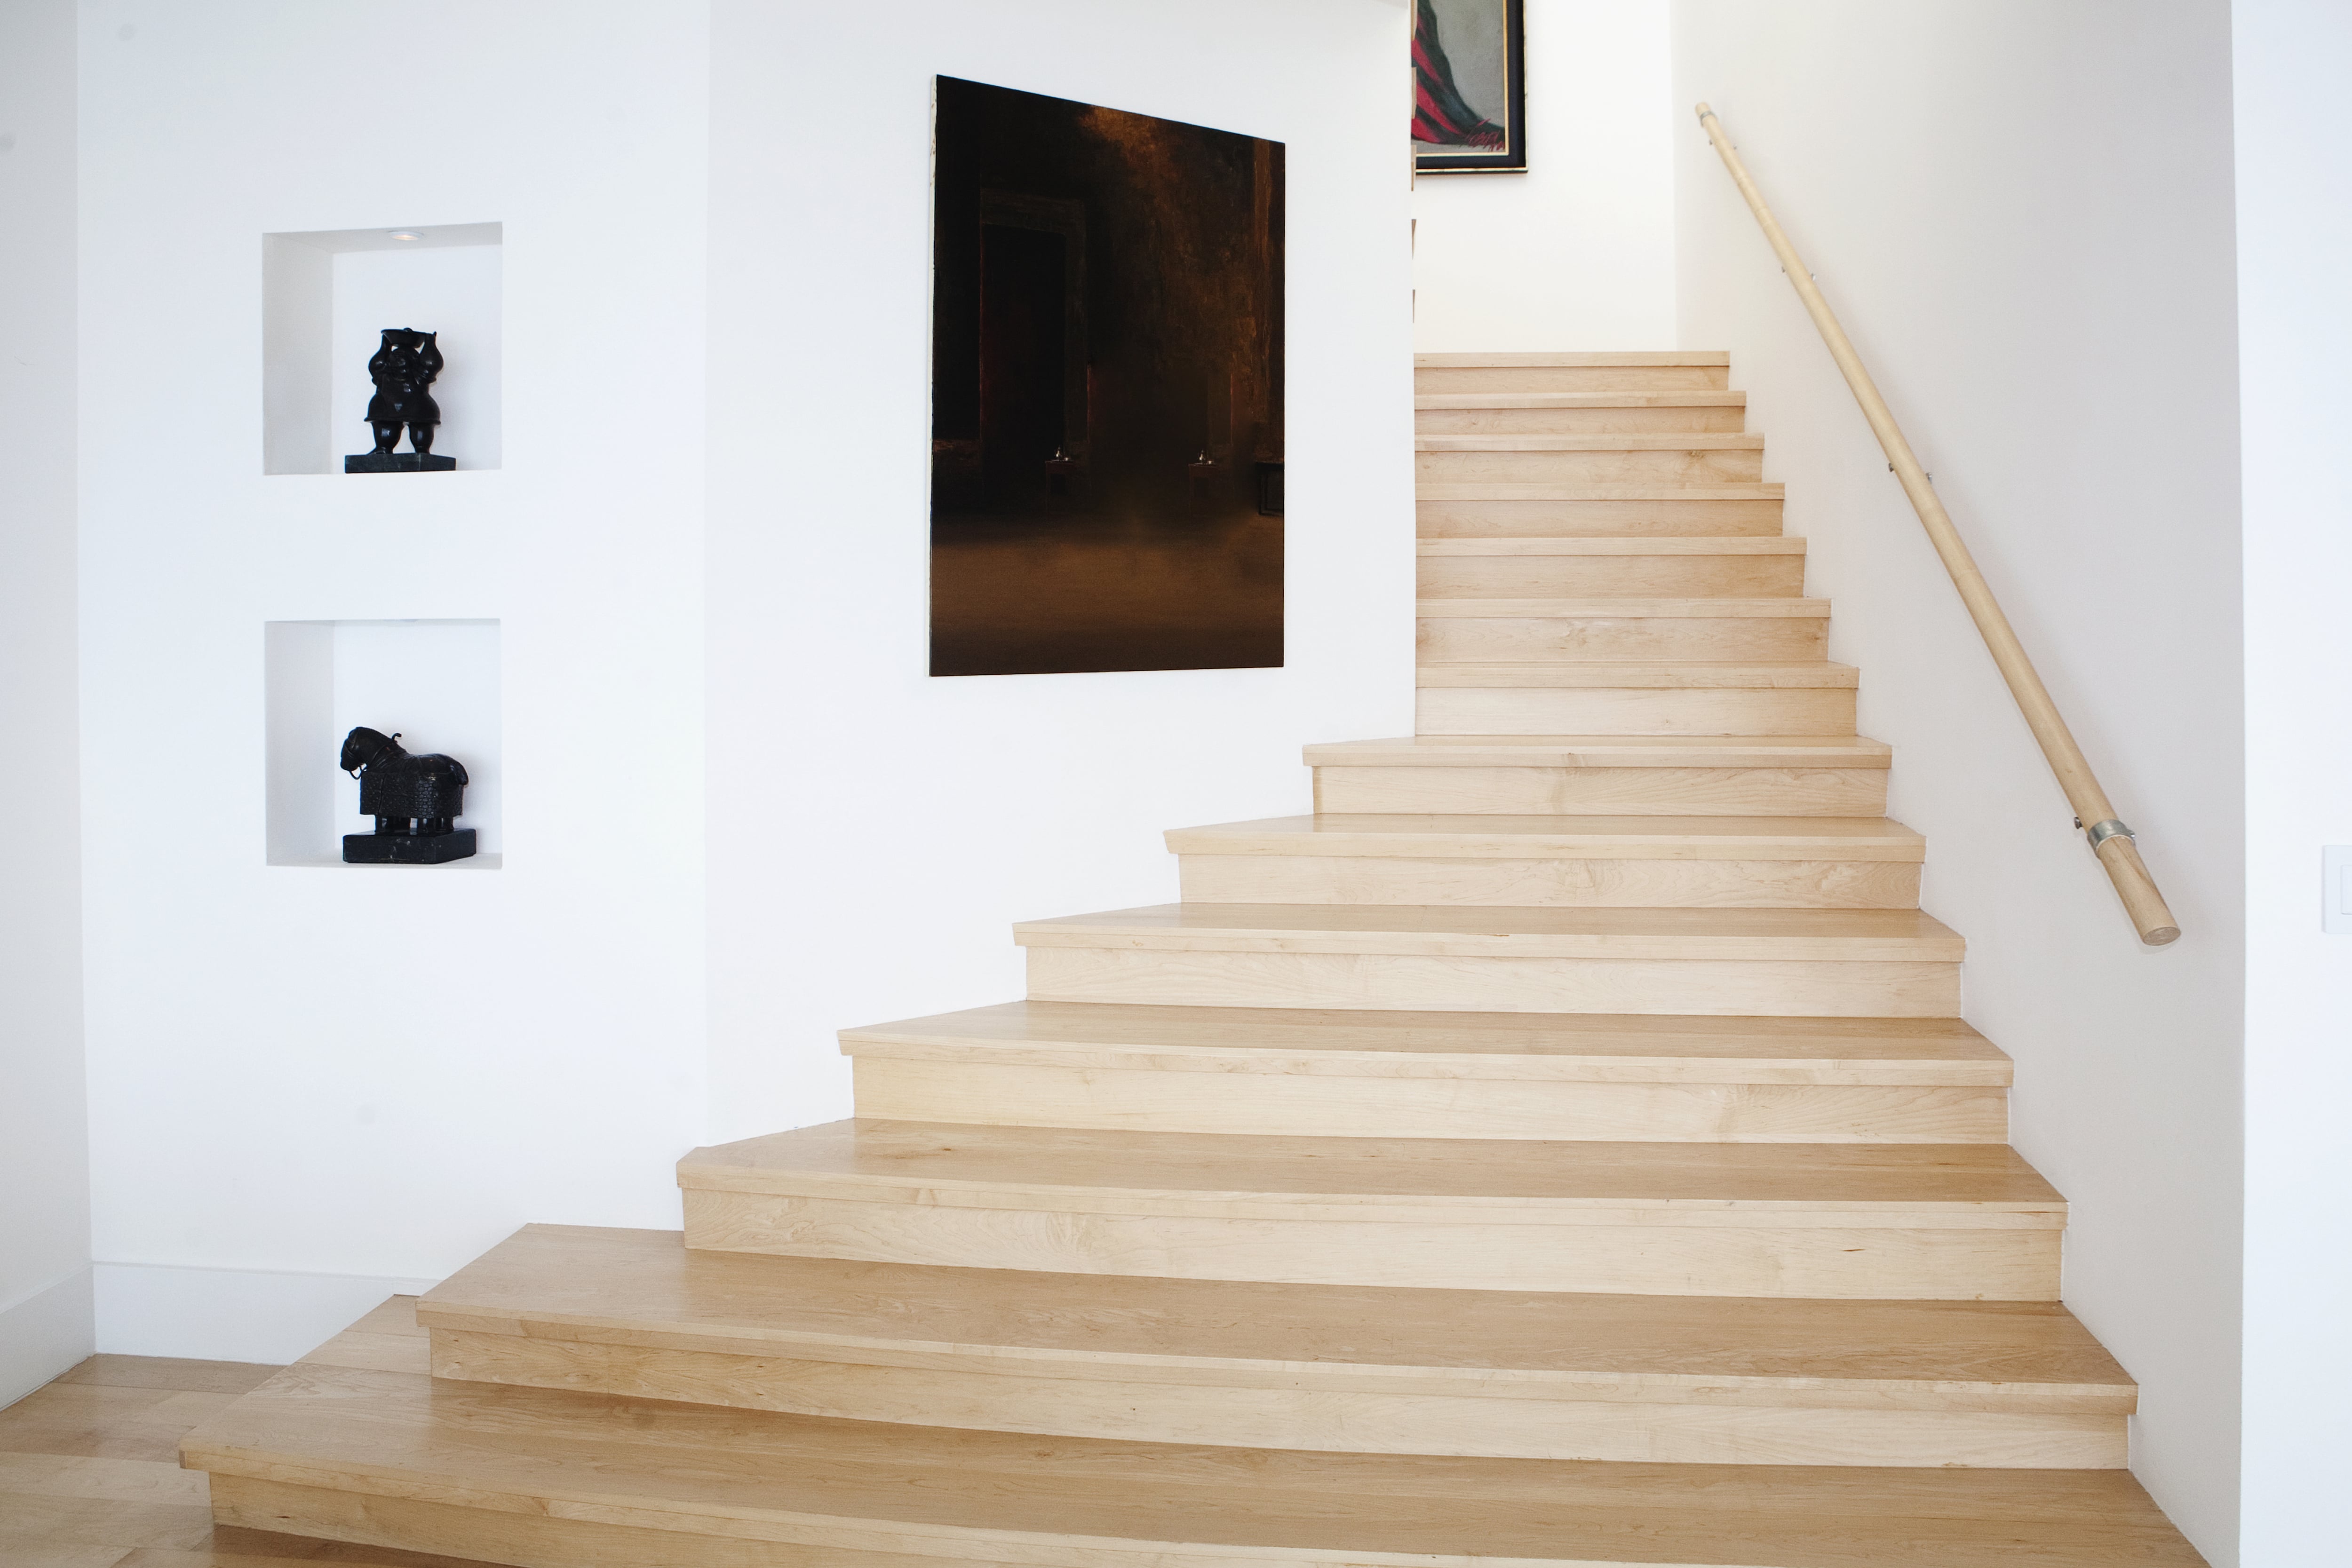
column 43, row 1333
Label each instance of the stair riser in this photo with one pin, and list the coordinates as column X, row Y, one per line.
column 1713, row 987
column 1608, row 576
column 1717, row 639
column 1550, row 883
column 1323, row 1105
column 1729, row 419
column 1877, row 1259
column 1571, row 378
column 1737, row 466
column 1605, row 792
column 1598, row 520
column 530, row 1532
column 1604, row 710
column 1318, row 1412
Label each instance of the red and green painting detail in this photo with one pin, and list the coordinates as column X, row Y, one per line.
column 1106, row 440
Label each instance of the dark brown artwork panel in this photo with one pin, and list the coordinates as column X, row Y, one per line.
column 1106, row 440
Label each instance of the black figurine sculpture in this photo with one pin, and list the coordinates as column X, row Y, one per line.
column 415, row 801
column 402, row 370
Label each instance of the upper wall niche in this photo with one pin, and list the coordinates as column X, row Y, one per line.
column 327, row 296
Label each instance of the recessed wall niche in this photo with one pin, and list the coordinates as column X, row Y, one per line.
column 437, row 682
column 327, row 296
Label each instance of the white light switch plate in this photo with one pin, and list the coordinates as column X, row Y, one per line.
column 2335, row 889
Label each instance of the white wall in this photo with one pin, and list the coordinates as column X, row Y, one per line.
column 45, row 1313
column 2022, row 213
column 1577, row 252
column 311, row 1084
column 2295, row 231
column 874, row 831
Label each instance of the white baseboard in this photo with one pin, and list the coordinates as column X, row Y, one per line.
column 44, row 1335
column 231, row 1315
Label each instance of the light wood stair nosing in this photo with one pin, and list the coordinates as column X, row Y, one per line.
column 1603, row 751
column 1597, row 441
column 428, row 1471
column 1467, row 490
column 1615, row 545
column 1627, row 397
column 1606, row 1049
column 1604, row 359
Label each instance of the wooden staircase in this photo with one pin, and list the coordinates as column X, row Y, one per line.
column 1563, row 1148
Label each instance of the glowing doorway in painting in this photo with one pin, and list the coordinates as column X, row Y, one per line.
column 1106, row 443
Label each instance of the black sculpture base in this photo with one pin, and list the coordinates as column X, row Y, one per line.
column 407, row 849
column 397, row 463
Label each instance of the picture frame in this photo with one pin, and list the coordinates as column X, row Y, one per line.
column 1469, row 82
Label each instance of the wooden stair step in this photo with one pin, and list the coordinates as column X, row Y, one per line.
column 1837, row 776
column 1622, row 398
column 1730, row 544
column 1363, row 1369
column 1589, row 413
column 1605, row 441
column 1632, row 751
column 1495, row 360
column 1791, row 935
column 1547, row 1076
column 1560, row 837
column 1858, row 963
column 1749, row 567
column 1471, row 628
column 1450, row 509
column 1591, row 861
column 1680, row 675
column 1627, row 697
column 1455, row 490
column 1699, row 459
column 548, row 1477
column 1518, row 1048
column 1854, row 1221
column 1706, row 607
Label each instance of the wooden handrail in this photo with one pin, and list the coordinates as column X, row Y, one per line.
column 2110, row 840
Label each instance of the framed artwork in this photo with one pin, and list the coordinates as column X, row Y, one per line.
column 1107, row 385
column 1469, row 87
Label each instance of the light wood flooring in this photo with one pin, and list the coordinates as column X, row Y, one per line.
column 89, row 1466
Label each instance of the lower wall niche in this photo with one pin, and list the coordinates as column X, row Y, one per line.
column 435, row 682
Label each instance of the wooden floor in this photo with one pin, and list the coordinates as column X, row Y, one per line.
column 89, row 1466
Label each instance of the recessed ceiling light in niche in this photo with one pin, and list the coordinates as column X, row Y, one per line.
column 402, row 234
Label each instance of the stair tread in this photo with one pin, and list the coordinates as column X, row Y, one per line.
column 1903, row 935
column 1611, row 441
column 1628, row 398
column 1269, row 1169
column 1467, row 835
column 1603, row 751
column 1606, row 1046
column 699, row 1469
column 1702, row 609
column 1678, row 676
column 1618, row 544
column 1458, row 490
column 646, row 1288
column 1505, row 361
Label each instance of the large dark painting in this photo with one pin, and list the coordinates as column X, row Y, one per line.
column 1105, row 391
column 1469, row 87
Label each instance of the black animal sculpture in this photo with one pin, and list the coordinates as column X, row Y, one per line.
column 415, row 799
column 404, row 367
